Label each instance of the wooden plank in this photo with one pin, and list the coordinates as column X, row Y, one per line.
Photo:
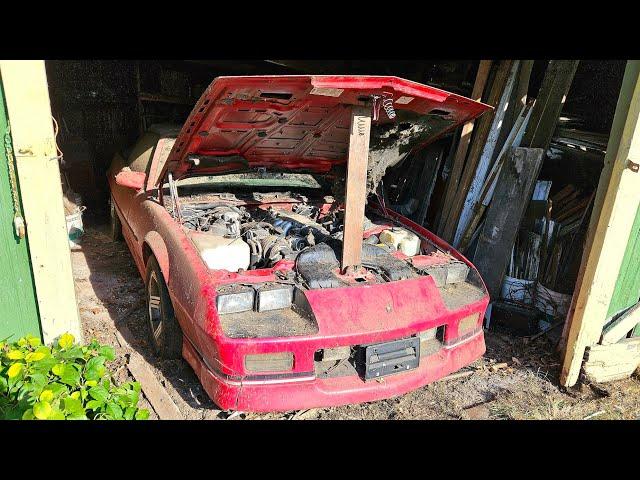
column 514, row 188
column 489, row 184
column 606, row 363
column 18, row 303
column 27, row 97
column 153, row 389
column 551, row 97
column 522, row 89
column 615, row 207
column 463, row 145
column 429, row 177
column 356, row 185
column 621, row 326
column 479, row 141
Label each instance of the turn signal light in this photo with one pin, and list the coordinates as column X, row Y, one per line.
column 269, row 362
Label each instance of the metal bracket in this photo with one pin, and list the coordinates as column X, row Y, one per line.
column 634, row 167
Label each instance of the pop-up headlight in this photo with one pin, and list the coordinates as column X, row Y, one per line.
column 235, row 299
column 273, row 297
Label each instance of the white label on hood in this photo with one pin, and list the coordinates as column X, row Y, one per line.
column 404, row 100
column 327, row 92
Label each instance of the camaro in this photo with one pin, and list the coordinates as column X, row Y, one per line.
column 237, row 223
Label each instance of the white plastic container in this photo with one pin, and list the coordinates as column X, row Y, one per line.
column 550, row 302
column 75, row 229
column 517, row 290
column 402, row 240
column 222, row 253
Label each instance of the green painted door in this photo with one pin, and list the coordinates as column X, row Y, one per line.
column 18, row 304
column 627, row 291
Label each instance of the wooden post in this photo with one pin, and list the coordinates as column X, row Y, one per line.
column 614, row 211
column 356, row 187
column 27, row 97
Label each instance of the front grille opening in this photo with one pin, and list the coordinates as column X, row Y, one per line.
column 336, row 362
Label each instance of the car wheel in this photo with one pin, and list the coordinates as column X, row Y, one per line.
column 164, row 330
column 116, row 226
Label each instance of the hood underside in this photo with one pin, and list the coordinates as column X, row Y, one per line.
column 302, row 123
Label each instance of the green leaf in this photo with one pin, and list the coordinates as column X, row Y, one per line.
column 33, row 341
column 42, row 410
column 129, row 413
column 38, row 381
column 95, row 369
column 71, row 375
column 142, row 414
column 46, row 396
column 77, row 417
column 114, row 410
column 99, row 393
column 94, row 404
column 15, row 370
column 72, row 353
column 66, row 340
column 28, row 415
column 73, row 406
column 56, row 415
column 58, row 369
column 57, row 388
column 34, row 357
column 107, row 351
column 15, row 355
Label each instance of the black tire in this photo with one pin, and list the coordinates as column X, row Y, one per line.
column 116, row 226
column 164, row 331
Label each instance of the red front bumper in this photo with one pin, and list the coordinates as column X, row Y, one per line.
column 284, row 395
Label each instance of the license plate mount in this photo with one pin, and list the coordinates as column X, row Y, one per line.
column 388, row 358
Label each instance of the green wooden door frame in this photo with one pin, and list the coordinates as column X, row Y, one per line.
column 18, row 303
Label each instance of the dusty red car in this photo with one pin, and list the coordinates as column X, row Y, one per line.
column 236, row 222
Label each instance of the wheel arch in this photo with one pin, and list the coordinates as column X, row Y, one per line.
column 153, row 244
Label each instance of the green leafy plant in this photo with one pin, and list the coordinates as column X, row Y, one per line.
column 64, row 381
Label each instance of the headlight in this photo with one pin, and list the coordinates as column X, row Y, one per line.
column 273, row 298
column 235, row 299
column 269, row 362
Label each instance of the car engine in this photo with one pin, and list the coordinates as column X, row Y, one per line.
column 271, row 234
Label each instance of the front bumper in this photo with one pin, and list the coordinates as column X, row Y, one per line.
column 307, row 391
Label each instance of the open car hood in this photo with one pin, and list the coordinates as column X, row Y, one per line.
column 301, row 122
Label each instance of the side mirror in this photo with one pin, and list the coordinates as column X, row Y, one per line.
column 129, row 179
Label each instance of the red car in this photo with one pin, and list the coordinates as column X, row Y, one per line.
column 236, row 222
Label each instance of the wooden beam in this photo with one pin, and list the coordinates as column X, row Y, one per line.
column 27, row 97
column 473, row 179
column 510, row 199
column 356, row 187
column 621, row 326
column 479, row 141
column 157, row 395
column 614, row 211
column 549, row 101
column 463, row 145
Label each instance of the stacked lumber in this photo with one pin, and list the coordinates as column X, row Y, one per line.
column 563, row 231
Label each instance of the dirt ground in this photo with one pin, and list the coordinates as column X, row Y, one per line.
column 515, row 379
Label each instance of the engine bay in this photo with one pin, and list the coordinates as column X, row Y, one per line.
column 257, row 230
